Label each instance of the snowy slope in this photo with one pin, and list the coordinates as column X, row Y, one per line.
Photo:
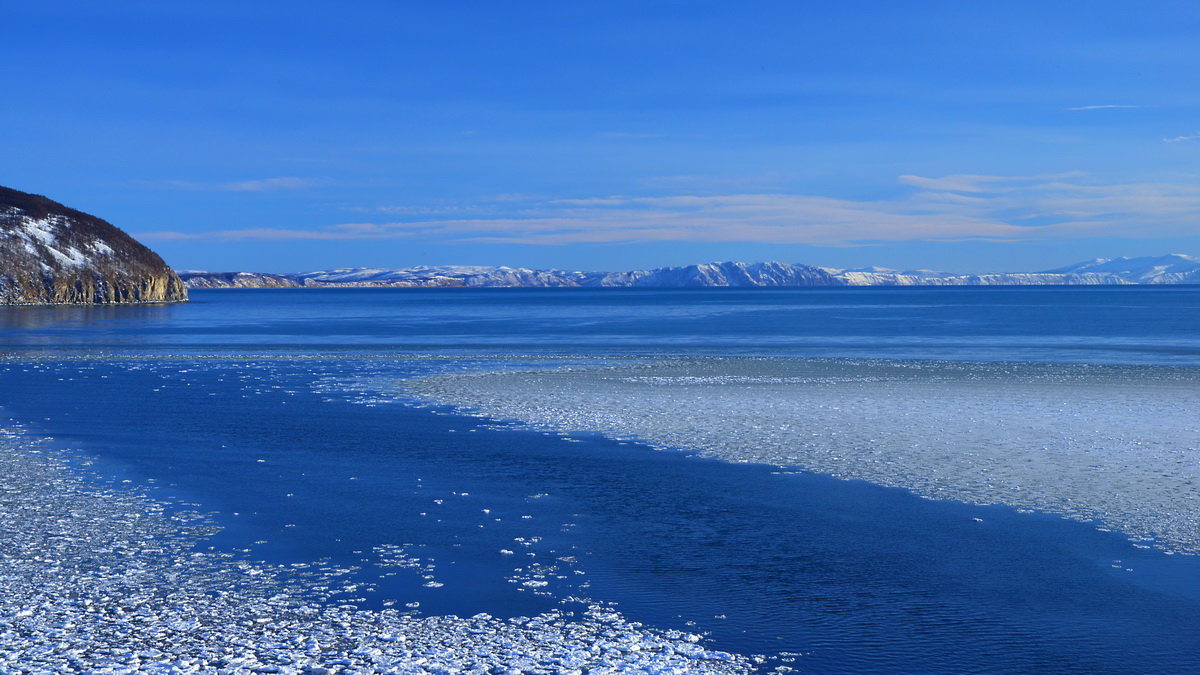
column 1175, row 268
column 52, row 254
column 723, row 274
column 448, row 275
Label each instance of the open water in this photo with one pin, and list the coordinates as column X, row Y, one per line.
column 286, row 415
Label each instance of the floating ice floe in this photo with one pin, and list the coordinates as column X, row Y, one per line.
column 1109, row 443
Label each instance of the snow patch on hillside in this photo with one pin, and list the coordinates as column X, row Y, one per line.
column 45, row 235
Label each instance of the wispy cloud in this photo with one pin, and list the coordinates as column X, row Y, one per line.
column 1102, row 107
column 253, row 185
column 1181, row 139
column 949, row 208
column 968, row 182
column 756, row 182
column 628, row 135
column 252, row 233
column 263, row 184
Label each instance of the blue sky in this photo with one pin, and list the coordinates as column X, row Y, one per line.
column 607, row 135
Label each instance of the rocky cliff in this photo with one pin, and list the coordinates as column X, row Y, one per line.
column 52, row 254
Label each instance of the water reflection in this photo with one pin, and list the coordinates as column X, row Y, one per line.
column 79, row 324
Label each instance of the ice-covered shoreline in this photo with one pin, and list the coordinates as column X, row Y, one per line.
column 104, row 578
column 1119, row 445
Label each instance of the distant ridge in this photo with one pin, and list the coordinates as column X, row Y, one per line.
column 702, row 275
column 1168, row 269
column 1174, row 268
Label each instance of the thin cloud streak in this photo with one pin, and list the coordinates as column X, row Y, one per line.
column 255, row 233
column 962, row 207
column 253, row 185
column 1103, row 107
column 263, row 184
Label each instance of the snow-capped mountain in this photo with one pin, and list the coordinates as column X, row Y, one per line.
column 1171, row 269
column 878, row 276
column 1175, row 268
column 52, row 254
column 447, row 275
column 201, row 279
column 708, row 274
column 723, row 274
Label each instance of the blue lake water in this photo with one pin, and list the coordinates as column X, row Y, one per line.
column 245, row 403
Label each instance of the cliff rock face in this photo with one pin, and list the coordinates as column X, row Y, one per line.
column 52, row 254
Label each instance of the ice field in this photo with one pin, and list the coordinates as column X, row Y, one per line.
column 104, row 579
column 1116, row 444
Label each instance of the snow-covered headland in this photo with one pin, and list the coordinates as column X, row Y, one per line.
column 52, row 254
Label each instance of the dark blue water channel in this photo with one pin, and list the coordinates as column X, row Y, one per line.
column 1133, row 324
column 237, row 403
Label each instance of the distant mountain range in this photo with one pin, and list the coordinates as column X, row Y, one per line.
column 1167, row 269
